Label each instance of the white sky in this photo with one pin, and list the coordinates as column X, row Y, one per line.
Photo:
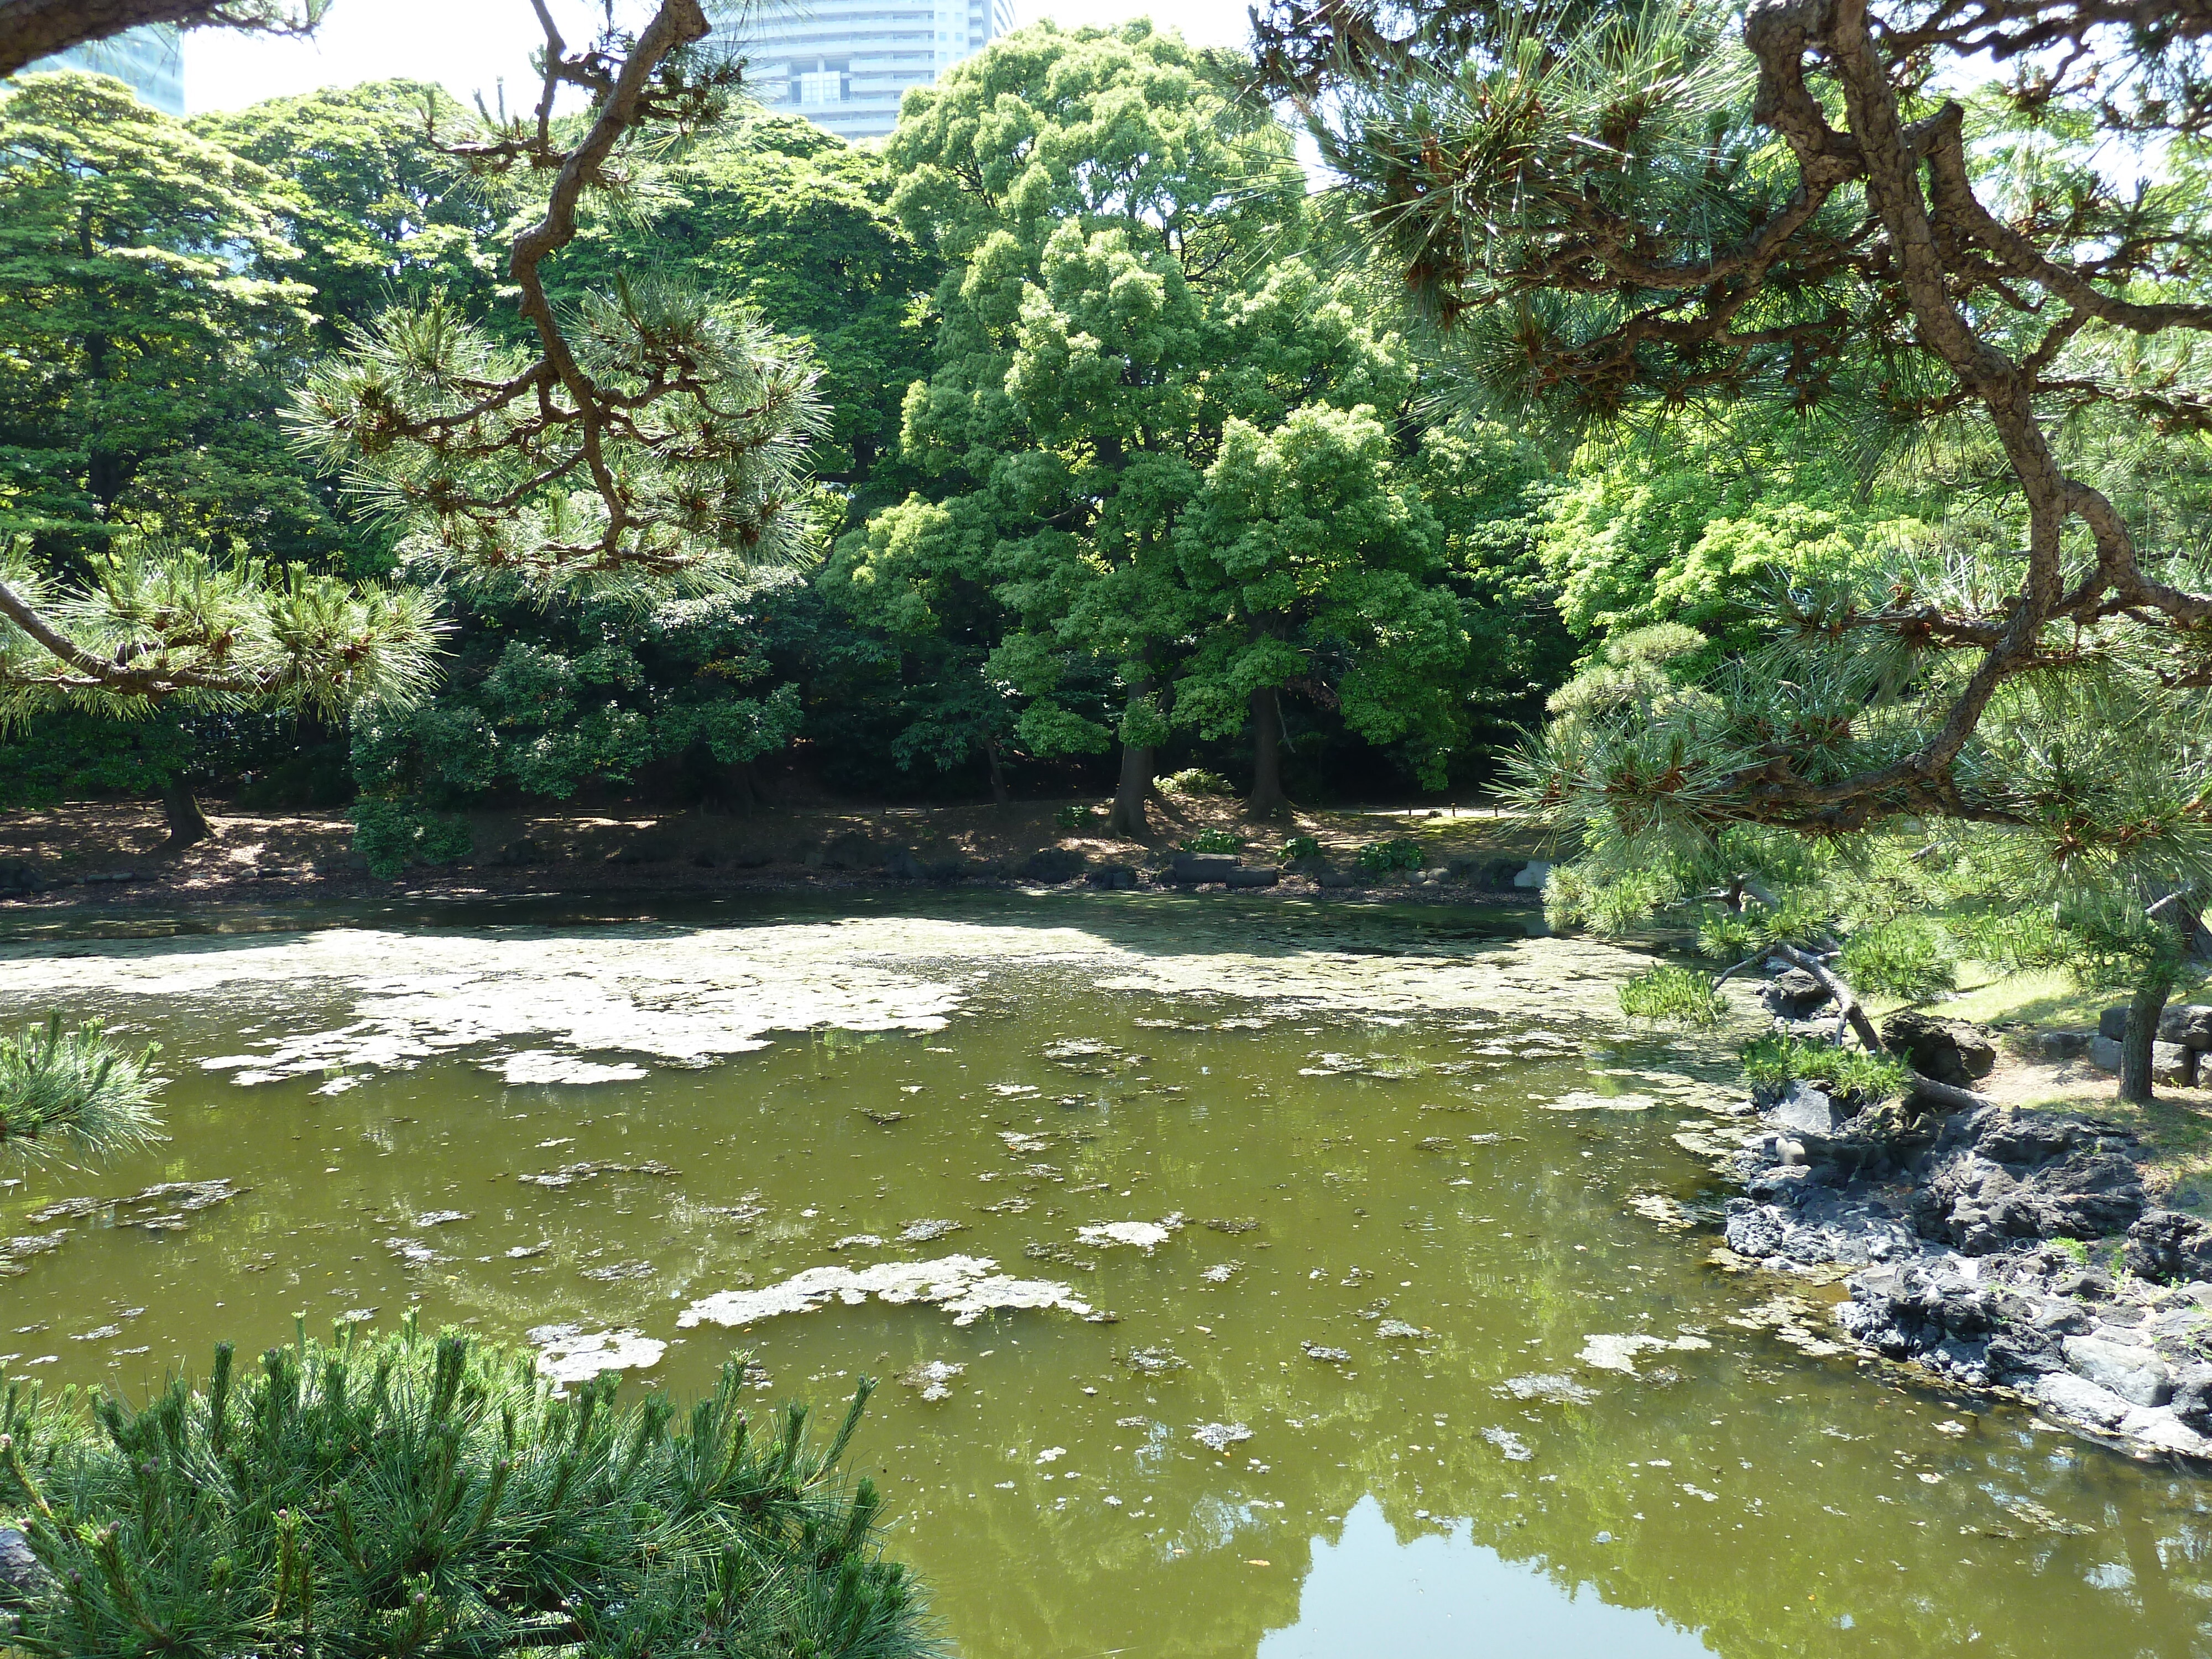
column 469, row 45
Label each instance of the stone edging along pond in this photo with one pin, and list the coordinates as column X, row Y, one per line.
column 1961, row 1242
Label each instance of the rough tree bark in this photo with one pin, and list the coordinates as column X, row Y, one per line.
column 1266, row 800
column 1127, row 817
column 2144, row 1008
column 188, row 825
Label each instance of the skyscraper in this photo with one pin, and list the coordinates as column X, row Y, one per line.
column 844, row 65
column 150, row 59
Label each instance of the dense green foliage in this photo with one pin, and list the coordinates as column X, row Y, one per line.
column 403, row 1495
column 147, row 323
column 1087, row 474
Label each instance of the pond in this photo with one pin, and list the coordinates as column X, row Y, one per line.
column 1363, row 1343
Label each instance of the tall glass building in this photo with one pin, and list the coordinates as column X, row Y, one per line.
column 844, row 65
column 150, row 60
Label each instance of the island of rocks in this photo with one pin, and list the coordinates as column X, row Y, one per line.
column 1972, row 1244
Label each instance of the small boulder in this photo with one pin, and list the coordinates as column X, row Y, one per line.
column 2064, row 1045
column 2136, row 1374
column 1490, row 874
column 1054, row 863
column 1948, row 1050
column 2173, row 1064
column 900, row 865
column 2192, row 1397
column 1806, row 1110
column 2105, row 1053
column 2113, row 1023
column 1253, row 875
column 522, row 851
column 2090, row 1284
column 1114, row 878
column 2169, row 1247
column 1337, row 878
column 1793, row 994
column 951, row 869
column 2077, row 1399
column 18, row 878
column 2189, row 1024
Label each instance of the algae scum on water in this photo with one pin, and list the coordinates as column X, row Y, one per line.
column 1261, row 1282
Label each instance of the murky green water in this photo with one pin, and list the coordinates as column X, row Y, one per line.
column 1368, row 1102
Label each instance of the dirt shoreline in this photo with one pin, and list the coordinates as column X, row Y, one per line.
column 112, row 854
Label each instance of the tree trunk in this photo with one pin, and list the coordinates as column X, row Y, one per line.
column 187, row 824
column 1266, row 800
column 1126, row 818
column 1000, row 795
column 2143, row 1010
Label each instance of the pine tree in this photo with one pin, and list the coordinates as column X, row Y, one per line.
column 1619, row 214
column 646, row 439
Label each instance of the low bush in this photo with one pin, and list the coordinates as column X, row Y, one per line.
column 1211, row 840
column 1196, row 781
column 1679, row 996
column 1299, row 846
column 392, row 834
column 1074, row 816
column 1381, row 857
column 1775, row 1062
column 405, row 1495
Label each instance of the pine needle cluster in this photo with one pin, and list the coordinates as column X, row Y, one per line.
column 78, row 1089
column 405, row 1496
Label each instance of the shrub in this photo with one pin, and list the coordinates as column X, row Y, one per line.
column 1725, row 936
column 1381, row 857
column 75, row 1086
column 1074, row 816
column 1196, row 781
column 1299, row 846
column 392, row 834
column 1211, row 840
column 1776, row 1062
column 1908, row 958
column 408, row 1496
column 1680, row 996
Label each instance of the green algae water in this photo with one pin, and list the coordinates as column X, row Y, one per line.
column 1369, row 1340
